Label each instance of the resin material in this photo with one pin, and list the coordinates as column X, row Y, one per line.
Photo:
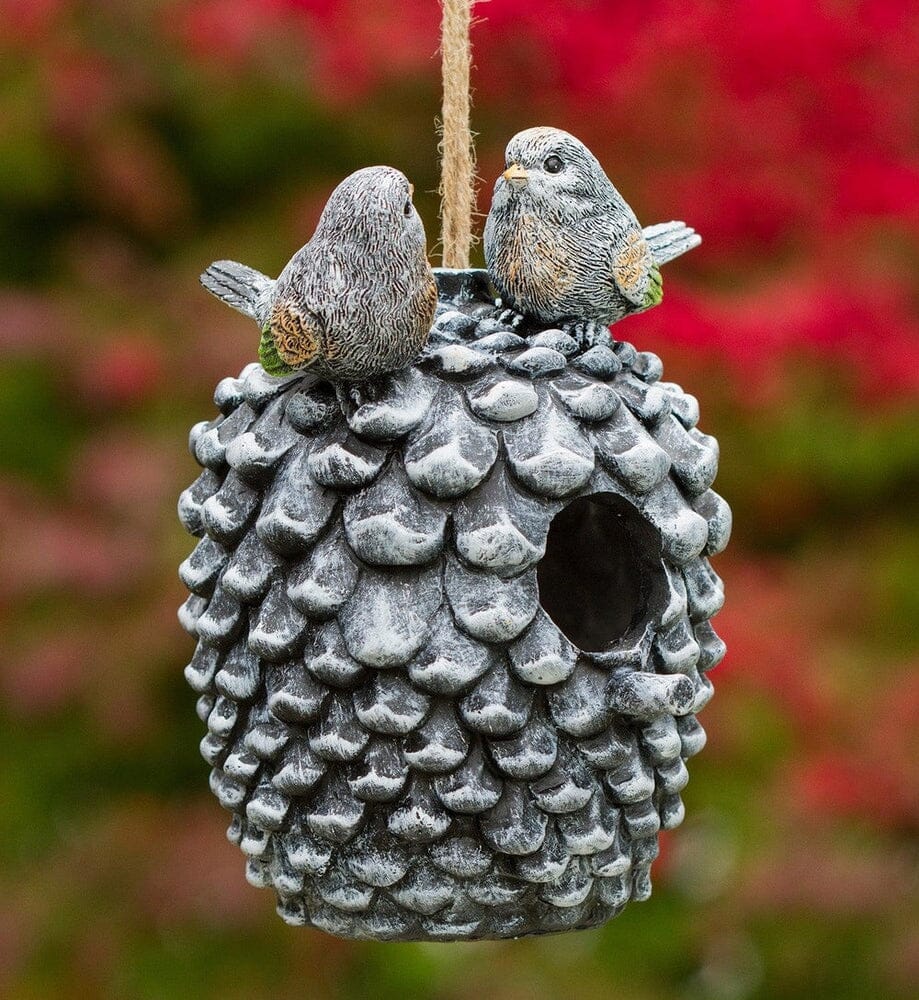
column 452, row 641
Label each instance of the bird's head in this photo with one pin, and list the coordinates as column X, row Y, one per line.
column 374, row 207
column 551, row 169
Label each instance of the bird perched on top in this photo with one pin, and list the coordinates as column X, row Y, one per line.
column 562, row 245
column 357, row 301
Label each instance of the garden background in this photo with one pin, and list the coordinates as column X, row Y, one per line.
column 139, row 140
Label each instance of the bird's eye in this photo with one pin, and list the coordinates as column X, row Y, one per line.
column 407, row 208
column 552, row 164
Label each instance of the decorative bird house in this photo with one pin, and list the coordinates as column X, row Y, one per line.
column 453, row 638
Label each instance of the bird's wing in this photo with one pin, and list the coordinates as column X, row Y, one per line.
column 655, row 292
column 670, row 239
column 291, row 340
column 632, row 264
column 241, row 287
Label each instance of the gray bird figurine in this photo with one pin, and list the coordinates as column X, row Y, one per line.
column 561, row 243
column 357, row 301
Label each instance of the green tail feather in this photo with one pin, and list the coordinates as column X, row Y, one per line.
column 269, row 357
column 655, row 293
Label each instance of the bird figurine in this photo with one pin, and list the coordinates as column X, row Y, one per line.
column 564, row 247
column 357, row 301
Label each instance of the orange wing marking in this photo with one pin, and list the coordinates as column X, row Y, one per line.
column 295, row 334
column 632, row 263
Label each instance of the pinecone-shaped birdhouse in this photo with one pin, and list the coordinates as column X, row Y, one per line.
column 453, row 636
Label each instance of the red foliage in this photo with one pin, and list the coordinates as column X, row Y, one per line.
column 27, row 21
column 123, row 372
column 841, row 784
column 48, row 550
column 48, row 675
column 873, row 775
column 768, row 626
column 781, row 130
column 228, row 30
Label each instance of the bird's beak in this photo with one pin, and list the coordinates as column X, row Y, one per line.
column 411, row 191
column 516, row 175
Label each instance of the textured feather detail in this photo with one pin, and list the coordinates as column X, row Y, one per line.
column 241, row 287
column 631, row 266
column 295, row 333
column 670, row 239
column 428, row 301
column 655, row 293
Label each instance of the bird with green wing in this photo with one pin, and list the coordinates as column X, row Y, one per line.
column 354, row 303
column 563, row 246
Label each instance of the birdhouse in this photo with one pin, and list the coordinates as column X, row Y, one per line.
column 453, row 634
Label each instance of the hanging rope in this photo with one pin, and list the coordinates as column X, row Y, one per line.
column 457, row 183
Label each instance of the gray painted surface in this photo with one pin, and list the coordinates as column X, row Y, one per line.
column 409, row 746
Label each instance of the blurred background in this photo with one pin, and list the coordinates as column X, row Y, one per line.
column 139, row 140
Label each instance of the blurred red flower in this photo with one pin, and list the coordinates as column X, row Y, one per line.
column 122, row 372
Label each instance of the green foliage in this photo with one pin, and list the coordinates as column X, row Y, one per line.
column 37, row 428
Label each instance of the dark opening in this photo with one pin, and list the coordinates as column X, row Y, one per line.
column 601, row 571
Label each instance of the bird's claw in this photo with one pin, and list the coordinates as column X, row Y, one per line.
column 510, row 317
column 588, row 333
column 359, row 393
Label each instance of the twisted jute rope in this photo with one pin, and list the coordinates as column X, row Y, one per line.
column 457, row 179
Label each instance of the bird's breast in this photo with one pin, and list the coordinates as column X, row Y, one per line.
column 534, row 262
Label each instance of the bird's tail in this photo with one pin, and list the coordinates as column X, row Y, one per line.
column 670, row 239
column 242, row 288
